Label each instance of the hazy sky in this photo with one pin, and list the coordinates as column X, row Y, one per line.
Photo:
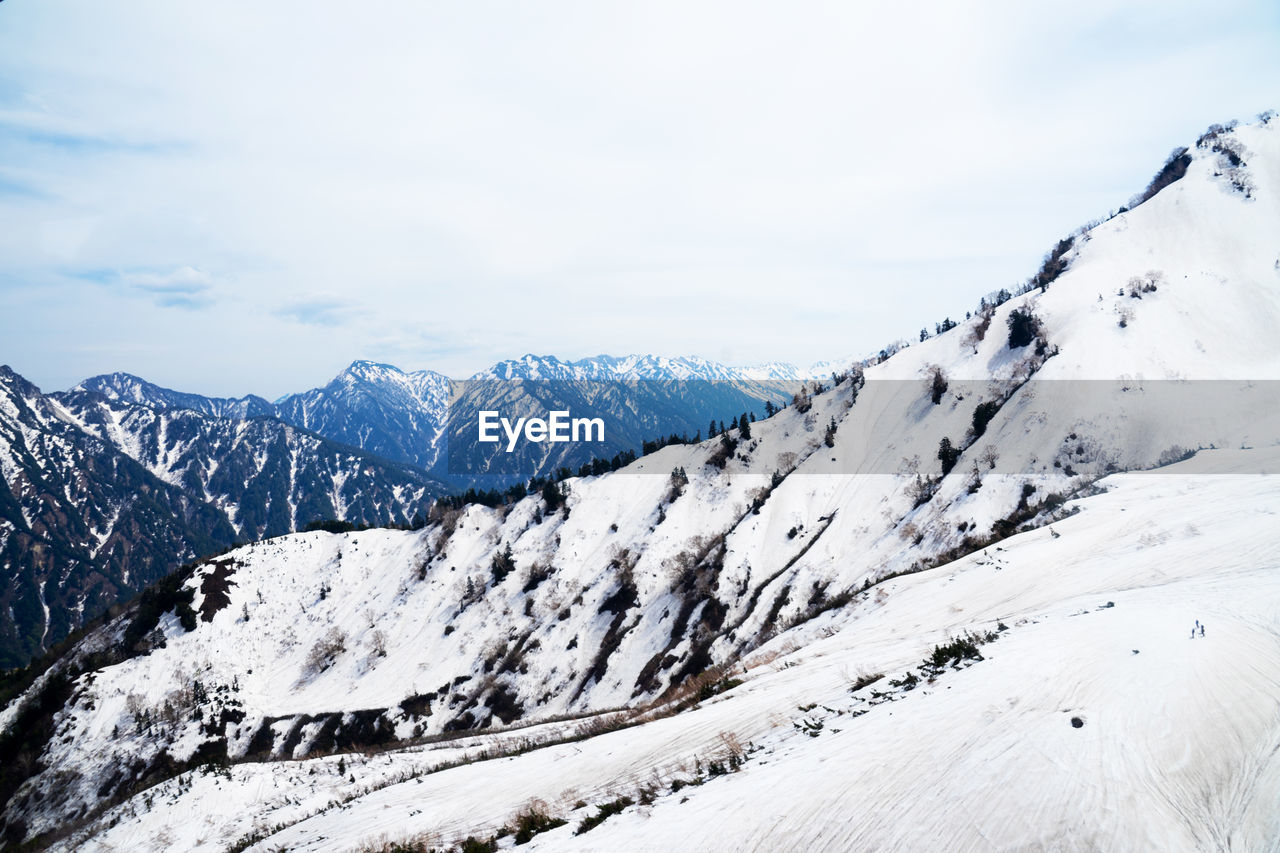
column 241, row 197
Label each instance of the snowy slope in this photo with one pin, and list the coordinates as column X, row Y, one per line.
column 1096, row 613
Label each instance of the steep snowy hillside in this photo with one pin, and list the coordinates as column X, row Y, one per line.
column 1080, row 713
column 1149, row 335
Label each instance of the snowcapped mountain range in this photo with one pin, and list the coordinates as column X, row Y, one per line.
column 929, row 576
column 403, row 416
column 631, row 367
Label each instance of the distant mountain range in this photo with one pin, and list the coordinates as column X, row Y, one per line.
column 427, row 420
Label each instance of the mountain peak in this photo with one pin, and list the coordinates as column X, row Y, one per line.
column 363, row 366
column 11, row 378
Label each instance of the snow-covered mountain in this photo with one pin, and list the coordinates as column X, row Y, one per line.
column 604, row 367
column 927, row 532
column 379, row 408
column 267, row 477
column 376, row 407
column 82, row 525
column 102, row 497
column 262, row 477
column 783, row 371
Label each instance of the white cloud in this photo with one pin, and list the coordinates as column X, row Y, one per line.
column 179, row 280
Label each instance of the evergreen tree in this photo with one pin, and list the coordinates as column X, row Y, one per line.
column 552, row 495
column 947, row 455
column 744, row 427
column 982, row 416
column 503, row 564
column 937, row 384
column 1023, row 327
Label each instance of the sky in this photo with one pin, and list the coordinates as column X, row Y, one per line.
column 236, row 197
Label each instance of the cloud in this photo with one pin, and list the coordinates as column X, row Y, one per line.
column 184, row 287
column 21, row 189
column 317, row 311
column 70, row 142
column 178, row 287
column 181, row 280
